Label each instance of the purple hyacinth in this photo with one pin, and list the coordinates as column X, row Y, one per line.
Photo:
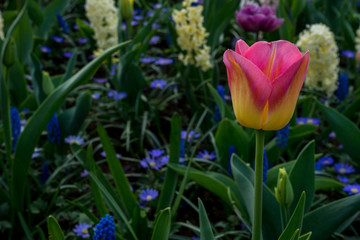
column 253, row 18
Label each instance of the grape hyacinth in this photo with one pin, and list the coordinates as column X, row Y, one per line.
column 282, row 137
column 53, row 128
column 343, row 86
column 105, row 229
column 15, row 126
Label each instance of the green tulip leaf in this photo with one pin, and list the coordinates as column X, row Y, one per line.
column 205, row 226
column 162, row 225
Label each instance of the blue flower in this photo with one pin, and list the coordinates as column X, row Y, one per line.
column 84, row 173
column 305, row 120
column 318, row 166
column 343, row 86
column 68, row 54
column 81, row 230
column 147, row 59
column 282, row 137
column 156, row 6
column 265, row 166
column 155, row 26
column 105, row 229
column 53, row 128
column 150, row 14
column 348, row 53
column 164, row 61
column 352, row 189
column 332, row 135
column 206, row 155
column 138, row 17
column 221, row 92
column 154, row 40
column 96, row 95
column 74, row 140
column 344, row 168
column 83, row 40
column 326, row 161
column 103, row 154
column 100, row 80
column 36, row 153
column 156, row 160
column 148, row 194
column 120, row 96
column 113, row 68
column 45, row 49
column 232, row 150
column 57, row 39
column 343, row 179
column 15, row 126
column 158, row 83
column 62, row 23
column 189, row 135
column 45, row 173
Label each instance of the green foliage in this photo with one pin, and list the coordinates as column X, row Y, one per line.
column 162, row 225
column 55, row 231
column 205, row 226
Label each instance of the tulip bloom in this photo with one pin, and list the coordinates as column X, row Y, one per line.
column 265, row 81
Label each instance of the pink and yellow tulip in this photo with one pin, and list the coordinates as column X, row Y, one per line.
column 265, row 81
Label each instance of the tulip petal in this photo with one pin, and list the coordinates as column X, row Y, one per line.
column 284, row 95
column 241, row 47
column 273, row 58
column 250, row 89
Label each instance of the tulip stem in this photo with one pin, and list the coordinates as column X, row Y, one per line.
column 259, row 154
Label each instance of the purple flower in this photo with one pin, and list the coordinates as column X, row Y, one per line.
column 253, row 18
column 158, row 83
column 344, row 168
column 111, row 93
column 156, row 6
column 156, row 160
column 100, row 80
column 103, row 154
column 190, row 135
column 96, row 96
column 332, row 135
column 154, row 40
column 155, row 25
column 206, row 155
column 138, row 17
column 84, row 173
column 343, row 179
column 326, row 161
column 120, row 96
column 81, row 230
column 305, row 120
column 150, row 14
column 57, row 39
column 74, row 140
column 67, row 54
column 147, row 59
column 348, row 53
column 352, row 189
column 148, row 194
column 164, row 61
column 83, row 40
column 45, row 49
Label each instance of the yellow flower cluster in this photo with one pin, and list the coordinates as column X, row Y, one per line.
column 103, row 18
column 192, row 35
column 1, row 26
column 322, row 73
column 357, row 40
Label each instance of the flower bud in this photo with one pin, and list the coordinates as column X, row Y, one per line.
column 48, row 85
column 126, row 8
column 283, row 192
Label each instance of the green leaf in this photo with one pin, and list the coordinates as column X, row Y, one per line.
column 295, row 236
column 162, row 225
column 37, row 79
column 70, row 67
column 326, row 183
column 23, row 36
column 17, row 83
column 346, row 131
column 296, row 8
column 231, row 133
column 224, row 109
column 205, row 226
column 305, row 236
column 55, row 231
column 25, row 227
column 34, row 127
column 323, row 221
column 121, row 182
column 35, row 13
column 304, row 166
column 169, row 186
column 295, row 222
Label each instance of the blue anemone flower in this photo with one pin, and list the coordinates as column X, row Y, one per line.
column 148, row 194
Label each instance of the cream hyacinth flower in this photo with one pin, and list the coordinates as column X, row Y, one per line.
column 357, row 40
column 1, row 27
column 192, row 35
column 103, row 17
column 323, row 68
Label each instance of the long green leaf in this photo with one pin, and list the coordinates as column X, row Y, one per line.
column 4, row 93
column 346, row 131
column 325, row 183
column 55, row 231
column 169, row 186
column 304, row 166
column 25, row 227
column 23, row 36
column 121, row 182
column 323, row 221
column 162, row 225
column 296, row 219
column 205, row 226
column 32, row 132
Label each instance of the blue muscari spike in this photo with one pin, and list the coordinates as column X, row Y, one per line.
column 15, row 126
column 266, row 167
column 232, row 150
column 182, row 148
column 282, row 137
column 105, row 229
column 221, row 92
column 45, row 173
column 65, row 27
column 342, row 89
column 53, row 128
